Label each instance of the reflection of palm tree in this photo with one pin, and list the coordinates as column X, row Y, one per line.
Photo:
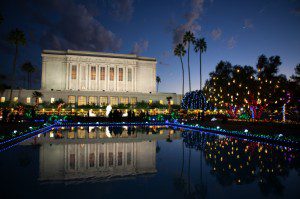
column 182, row 164
column 201, row 188
column 189, row 192
column 179, row 182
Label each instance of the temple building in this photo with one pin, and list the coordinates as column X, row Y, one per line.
column 82, row 77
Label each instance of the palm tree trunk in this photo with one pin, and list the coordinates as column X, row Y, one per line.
column 182, row 165
column 182, row 76
column 200, row 70
column 189, row 67
column 157, row 87
column 14, row 73
column 189, row 172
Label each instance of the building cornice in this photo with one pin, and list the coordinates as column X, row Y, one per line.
column 96, row 54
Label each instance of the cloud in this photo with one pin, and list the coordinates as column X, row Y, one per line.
column 122, row 10
column 191, row 17
column 216, row 33
column 296, row 11
column 139, row 47
column 231, row 43
column 75, row 27
column 248, row 24
column 78, row 29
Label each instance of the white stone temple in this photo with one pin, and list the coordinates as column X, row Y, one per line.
column 84, row 77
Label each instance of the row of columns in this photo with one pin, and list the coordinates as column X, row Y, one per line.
column 109, row 85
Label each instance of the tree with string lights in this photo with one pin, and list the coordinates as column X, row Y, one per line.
column 240, row 89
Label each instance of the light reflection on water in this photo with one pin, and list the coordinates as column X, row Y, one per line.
column 146, row 162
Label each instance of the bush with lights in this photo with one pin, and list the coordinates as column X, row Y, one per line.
column 244, row 90
column 194, row 100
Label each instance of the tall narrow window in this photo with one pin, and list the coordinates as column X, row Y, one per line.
column 93, row 73
column 128, row 158
column 120, row 154
column 101, row 159
column 92, row 159
column 83, row 72
column 110, row 159
column 74, row 71
column 129, row 74
column 111, row 74
column 120, row 74
column 72, row 161
column 102, row 73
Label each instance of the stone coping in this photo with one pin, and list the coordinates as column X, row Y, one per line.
column 97, row 54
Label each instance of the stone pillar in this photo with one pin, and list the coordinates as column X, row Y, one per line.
column 78, row 76
column 125, row 78
column 70, row 75
column 43, row 74
column 106, row 78
column 98, row 78
column 116, row 78
column 134, row 79
column 88, row 77
column 67, row 75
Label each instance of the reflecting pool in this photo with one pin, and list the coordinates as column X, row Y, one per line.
column 146, row 162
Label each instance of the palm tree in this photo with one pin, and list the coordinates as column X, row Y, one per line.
column 200, row 45
column 189, row 38
column 16, row 37
column 37, row 95
column 158, row 81
column 29, row 69
column 180, row 52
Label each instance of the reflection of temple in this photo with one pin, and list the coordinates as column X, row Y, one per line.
column 96, row 160
column 98, row 152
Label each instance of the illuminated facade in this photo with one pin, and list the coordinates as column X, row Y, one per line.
column 81, row 77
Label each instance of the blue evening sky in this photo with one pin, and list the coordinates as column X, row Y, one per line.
column 236, row 31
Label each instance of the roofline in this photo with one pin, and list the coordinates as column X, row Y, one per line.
column 97, row 54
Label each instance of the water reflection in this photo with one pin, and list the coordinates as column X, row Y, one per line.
column 146, row 162
column 95, row 153
column 240, row 162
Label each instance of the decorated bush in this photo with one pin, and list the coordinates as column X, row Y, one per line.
column 194, row 100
